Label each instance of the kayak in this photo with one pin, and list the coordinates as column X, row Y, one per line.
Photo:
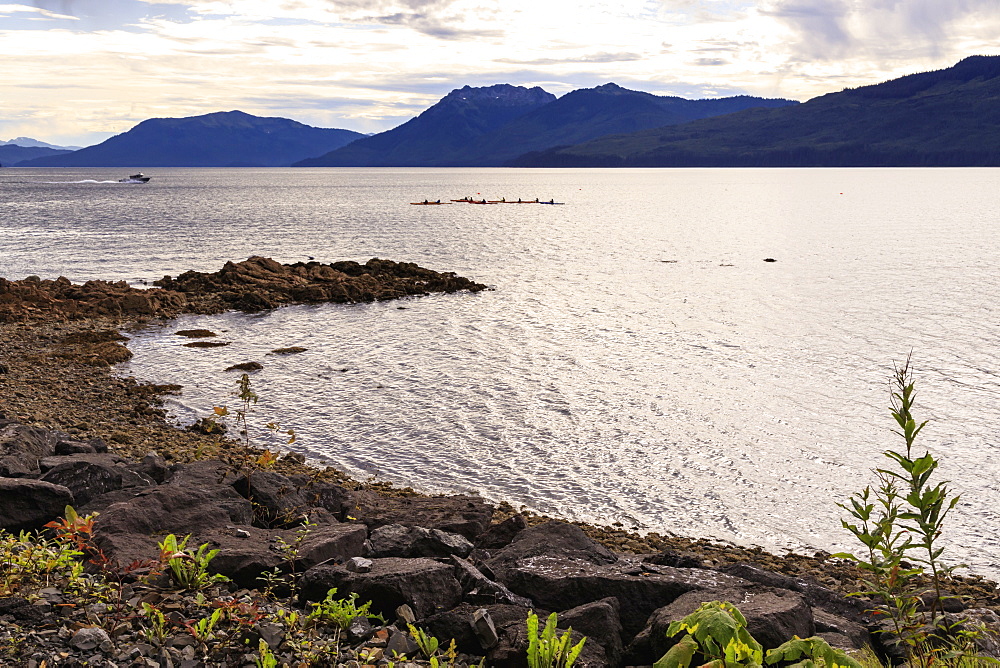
column 426, row 203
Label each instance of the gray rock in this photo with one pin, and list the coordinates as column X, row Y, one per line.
column 278, row 501
column 97, row 458
column 477, row 588
column 560, row 583
column 359, row 565
column 601, row 623
column 459, row 624
column 152, row 466
column 427, row 586
column 360, row 629
column 404, row 613
column 89, row 638
column 773, row 616
column 400, row 643
column 854, row 634
column 272, row 634
column 502, row 534
column 177, row 509
column 468, row 516
column 22, row 447
column 482, row 624
column 552, row 539
column 397, row 540
column 330, row 541
column 64, row 447
column 512, row 646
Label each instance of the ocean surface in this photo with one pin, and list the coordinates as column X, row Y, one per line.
column 636, row 360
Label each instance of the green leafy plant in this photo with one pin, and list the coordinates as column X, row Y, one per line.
column 548, row 650
column 30, row 562
column 265, row 657
column 810, row 653
column 340, row 611
column 716, row 633
column 899, row 524
column 202, row 629
column 188, row 569
column 716, row 630
column 157, row 632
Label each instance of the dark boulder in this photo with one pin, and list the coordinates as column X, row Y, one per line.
column 205, row 473
column 339, row 542
column 86, row 480
column 29, row 504
column 97, row 458
column 552, row 539
column 457, row 624
column 773, row 616
column 65, row 447
column 245, row 553
column 152, row 466
column 502, row 534
column 396, row 540
column 816, row 596
column 601, row 623
column 277, row 500
column 175, row 509
column 328, row 495
column 427, row 586
column 479, row 589
column 841, row 632
column 468, row 516
column 560, row 583
column 21, row 448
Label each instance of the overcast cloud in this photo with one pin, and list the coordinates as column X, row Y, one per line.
column 76, row 71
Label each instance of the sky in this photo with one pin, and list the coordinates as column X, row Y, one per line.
column 74, row 72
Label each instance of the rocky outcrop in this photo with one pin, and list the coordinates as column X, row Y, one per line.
column 255, row 284
column 261, row 283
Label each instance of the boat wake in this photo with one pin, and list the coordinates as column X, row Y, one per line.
column 83, row 181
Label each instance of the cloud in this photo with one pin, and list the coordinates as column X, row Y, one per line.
column 835, row 29
column 620, row 57
column 104, row 65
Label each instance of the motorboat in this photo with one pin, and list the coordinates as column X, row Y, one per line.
column 136, row 178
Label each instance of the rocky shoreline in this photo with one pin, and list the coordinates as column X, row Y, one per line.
column 457, row 567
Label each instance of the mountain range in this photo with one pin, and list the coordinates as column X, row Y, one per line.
column 948, row 117
column 13, row 154
column 491, row 125
column 28, row 142
column 220, row 139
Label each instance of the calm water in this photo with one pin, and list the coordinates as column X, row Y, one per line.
column 637, row 362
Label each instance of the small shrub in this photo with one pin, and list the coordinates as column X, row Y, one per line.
column 899, row 524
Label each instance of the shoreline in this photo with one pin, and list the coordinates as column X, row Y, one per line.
column 63, row 370
column 57, row 373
